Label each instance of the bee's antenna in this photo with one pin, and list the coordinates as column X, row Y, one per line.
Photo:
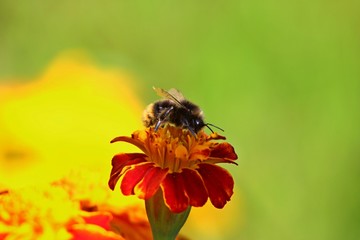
column 209, row 124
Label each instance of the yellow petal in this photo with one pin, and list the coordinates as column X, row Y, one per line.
column 64, row 119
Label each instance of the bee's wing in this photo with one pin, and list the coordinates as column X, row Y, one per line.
column 173, row 95
column 176, row 94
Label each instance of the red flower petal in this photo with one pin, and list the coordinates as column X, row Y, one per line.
column 174, row 192
column 133, row 177
column 3, row 235
column 91, row 232
column 200, row 154
column 101, row 219
column 131, row 140
column 218, row 182
column 224, row 150
column 194, row 187
column 119, row 162
column 148, row 186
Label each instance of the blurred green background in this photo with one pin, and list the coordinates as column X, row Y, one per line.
column 281, row 77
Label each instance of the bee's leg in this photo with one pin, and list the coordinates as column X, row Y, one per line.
column 162, row 117
column 192, row 131
column 157, row 125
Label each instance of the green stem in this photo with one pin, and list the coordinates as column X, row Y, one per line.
column 165, row 225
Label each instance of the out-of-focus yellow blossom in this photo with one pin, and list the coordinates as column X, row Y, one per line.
column 69, row 209
column 48, row 213
column 89, row 189
column 26, row 213
column 63, row 119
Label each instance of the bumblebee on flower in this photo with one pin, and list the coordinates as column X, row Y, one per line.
column 178, row 159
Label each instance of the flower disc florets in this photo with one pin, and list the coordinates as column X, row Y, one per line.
column 181, row 164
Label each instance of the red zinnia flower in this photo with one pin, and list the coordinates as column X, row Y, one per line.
column 182, row 165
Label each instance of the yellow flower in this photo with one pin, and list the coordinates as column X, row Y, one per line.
column 62, row 120
column 60, row 211
column 36, row 214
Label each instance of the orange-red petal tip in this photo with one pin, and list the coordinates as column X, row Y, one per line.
column 121, row 163
column 224, row 150
column 133, row 176
column 219, row 183
column 174, row 193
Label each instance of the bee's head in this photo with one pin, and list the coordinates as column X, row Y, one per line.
column 194, row 124
column 198, row 124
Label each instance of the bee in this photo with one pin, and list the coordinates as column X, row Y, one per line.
column 175, row 109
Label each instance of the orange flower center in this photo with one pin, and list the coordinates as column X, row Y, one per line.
column 175, row 148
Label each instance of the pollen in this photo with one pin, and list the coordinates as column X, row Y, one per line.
column 175, row 148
